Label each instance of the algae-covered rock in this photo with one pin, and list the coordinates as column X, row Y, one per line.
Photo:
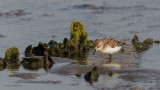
column 2, row 62
column 77, row 44
column 12, row 55
column 92, row 75
column 40, row 49
column 72, row 47
column 52, row 43
column 141, row 47
column 28, row 51
column 60, row 49
column 53, row 51
column 79, row 35
column 135, row 39
column 148, row 41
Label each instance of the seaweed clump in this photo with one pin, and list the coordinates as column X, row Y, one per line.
column 75, row 46
column 142, row 46
column 12, row 56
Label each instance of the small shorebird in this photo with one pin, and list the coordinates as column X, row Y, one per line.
column 108, row 45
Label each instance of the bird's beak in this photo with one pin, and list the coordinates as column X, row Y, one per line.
column 94, row 51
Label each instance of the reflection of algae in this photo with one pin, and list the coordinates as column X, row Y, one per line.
column 35, row 63
column 32, row 63
column 13, row 67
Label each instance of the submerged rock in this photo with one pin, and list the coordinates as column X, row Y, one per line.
column 92, row 75
column 12, row 56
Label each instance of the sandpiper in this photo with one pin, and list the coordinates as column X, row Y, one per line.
column 108, row 45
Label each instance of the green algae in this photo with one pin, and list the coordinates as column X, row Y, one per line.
column 140, row 47
column 135, row 39
column 12, row 55
column 148, row 41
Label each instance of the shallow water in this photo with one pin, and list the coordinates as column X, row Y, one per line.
column 44, row 20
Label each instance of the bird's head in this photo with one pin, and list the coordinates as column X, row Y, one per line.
column 98, row 46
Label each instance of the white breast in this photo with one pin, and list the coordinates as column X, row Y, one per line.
column 111, row 50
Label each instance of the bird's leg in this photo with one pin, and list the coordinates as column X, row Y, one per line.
column 110, row 58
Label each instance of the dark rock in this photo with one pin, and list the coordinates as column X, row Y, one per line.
column 78, row 74
column 65, row 42
column 3, row 64
column 92, row 75
column 40, row 49
column 157, row 41
column 110, row 73
column 28, row 51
